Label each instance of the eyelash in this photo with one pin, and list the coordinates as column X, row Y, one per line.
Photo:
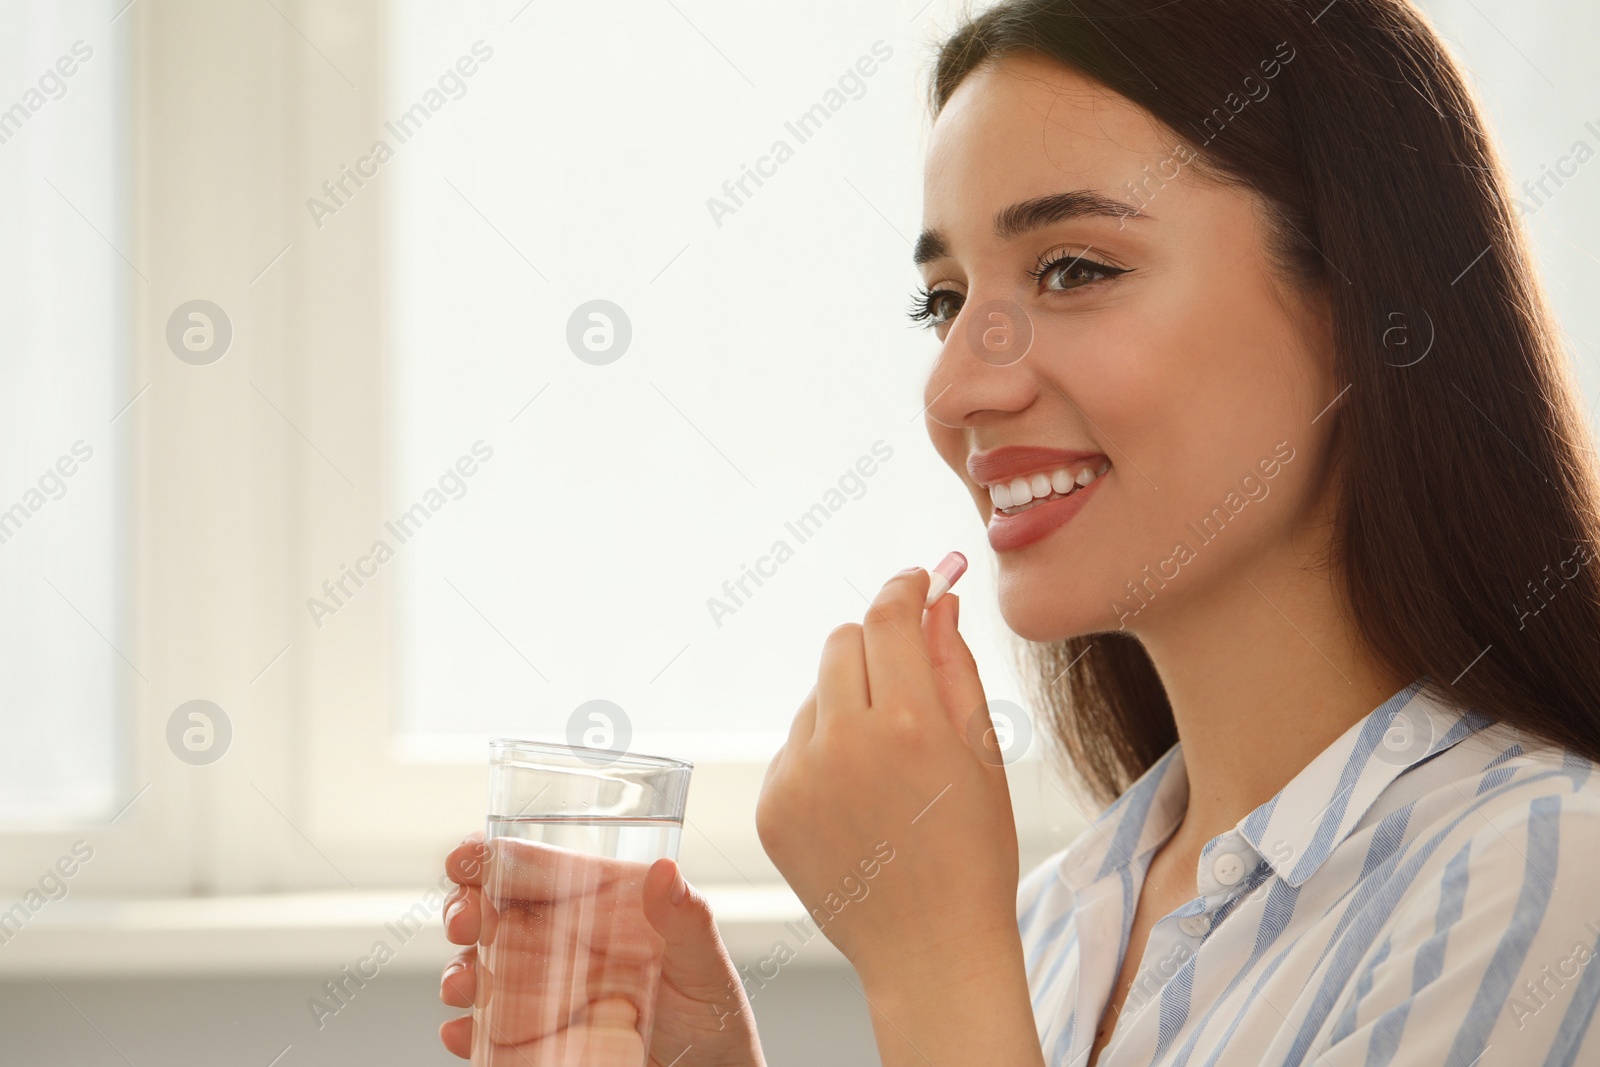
column 921, row 309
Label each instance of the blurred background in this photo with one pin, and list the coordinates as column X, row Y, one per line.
column 381, row 377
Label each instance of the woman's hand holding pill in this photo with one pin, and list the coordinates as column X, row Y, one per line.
column 888, row 813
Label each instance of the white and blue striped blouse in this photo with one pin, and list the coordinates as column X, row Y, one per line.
column 1425, row 892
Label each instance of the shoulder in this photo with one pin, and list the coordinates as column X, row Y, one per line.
column 1506, row 829
column 1502, row 779
column 1476, row 933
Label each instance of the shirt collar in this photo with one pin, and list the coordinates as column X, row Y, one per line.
column 1140, row 819
column 1298, row 829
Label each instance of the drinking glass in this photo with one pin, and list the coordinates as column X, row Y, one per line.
column 567, row 963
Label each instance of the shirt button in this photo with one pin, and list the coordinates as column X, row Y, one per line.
column 1194, row 925
column 1228, row 868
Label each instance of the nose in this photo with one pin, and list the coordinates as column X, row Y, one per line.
column 985, row 370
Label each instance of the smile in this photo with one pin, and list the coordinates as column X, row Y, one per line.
column 1029, row 507
column 1020, row 494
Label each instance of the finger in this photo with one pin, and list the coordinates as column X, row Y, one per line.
column 842, row 675
column 622, row 952
column 533, row 941
column 899, row 670
column 526, row 871
column 463, row 914
column 459, row 983
column 608, row 1033
column 696, row 963
column 956, row 671
column 541, row 944
column 465, row 863
column 550, row 961
column 456, row 1034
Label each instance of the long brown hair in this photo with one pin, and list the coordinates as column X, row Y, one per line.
column 1470, row 501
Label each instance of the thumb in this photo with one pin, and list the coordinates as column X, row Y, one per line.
column 696, row 962
column 957, row 672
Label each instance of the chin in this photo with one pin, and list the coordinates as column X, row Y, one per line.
column 1040, row 614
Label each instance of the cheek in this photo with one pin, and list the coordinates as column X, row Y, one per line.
column 1186, row 401
column 1241, row 392
column 1194, row 393
column 1151, row 397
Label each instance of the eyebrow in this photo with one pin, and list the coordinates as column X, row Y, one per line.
column 1027, row 215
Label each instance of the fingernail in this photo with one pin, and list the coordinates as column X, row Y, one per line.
column 680, row 888
column 906, row 570
column 453, row 910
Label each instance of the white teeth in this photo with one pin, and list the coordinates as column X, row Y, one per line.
column 1022, row 491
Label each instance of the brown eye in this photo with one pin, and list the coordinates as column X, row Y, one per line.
column 934, row 307
column 1075, row 271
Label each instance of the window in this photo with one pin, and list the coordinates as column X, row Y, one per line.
column 63, row 385
column 670, row 524
column 575, row 509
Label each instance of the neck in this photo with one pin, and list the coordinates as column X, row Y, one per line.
column 1262, row 673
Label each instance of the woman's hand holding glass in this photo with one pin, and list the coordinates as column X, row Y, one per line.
column 621, row 917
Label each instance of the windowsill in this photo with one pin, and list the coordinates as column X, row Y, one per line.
column 320, row 932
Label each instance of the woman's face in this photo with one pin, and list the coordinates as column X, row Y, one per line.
column 1075, row 337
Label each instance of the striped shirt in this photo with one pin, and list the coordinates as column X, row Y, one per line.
column 1425, row 892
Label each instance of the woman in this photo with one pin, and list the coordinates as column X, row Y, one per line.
column 1322, row 623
